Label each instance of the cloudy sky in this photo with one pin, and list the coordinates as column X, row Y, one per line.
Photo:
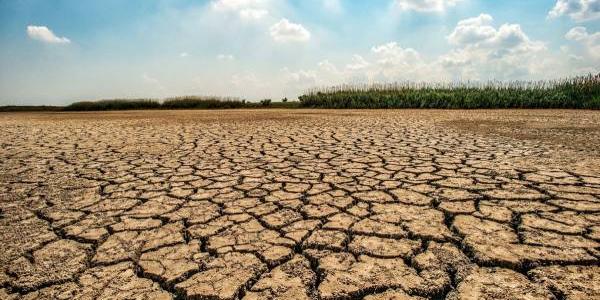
column 56, row 52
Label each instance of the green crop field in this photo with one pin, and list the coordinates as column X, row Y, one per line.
column 580, row 92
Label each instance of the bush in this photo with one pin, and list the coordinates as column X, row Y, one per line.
column 265, row 102
column 186, row 102
column 116, row 104
column 17, row 108
column 195, row 102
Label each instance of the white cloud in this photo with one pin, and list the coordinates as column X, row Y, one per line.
column 42, row 33
column 225, row 57
column 589, row 44
column 328, row 67
column 578, row 10
column 580, row 33
column 473, row 30
column 482, row 51
column 285, row 31
column 183, row 54
column 246, row 9
column 392, row 55
column 426, row 5
column 479, row 32
column 384, row 63
column 394, row 62
column 358, row 63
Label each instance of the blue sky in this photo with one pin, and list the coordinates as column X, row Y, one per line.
column 60, row 51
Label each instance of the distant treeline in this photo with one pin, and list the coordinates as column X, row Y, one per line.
column 17, row 108
column 114, row 104
column 580, row 93
column 186, row 102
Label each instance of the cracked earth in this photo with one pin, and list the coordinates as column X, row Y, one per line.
column 300, row 204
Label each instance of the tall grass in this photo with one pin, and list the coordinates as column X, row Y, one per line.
column 579, row 92
column 198, row 102
column 185, row 102
column 114, row 104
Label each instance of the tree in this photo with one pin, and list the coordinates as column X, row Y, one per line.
column 265, row 102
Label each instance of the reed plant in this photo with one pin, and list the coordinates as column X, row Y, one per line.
column 581, row 92
column 113, row 104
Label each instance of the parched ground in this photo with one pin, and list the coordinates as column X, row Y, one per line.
column 300, row 204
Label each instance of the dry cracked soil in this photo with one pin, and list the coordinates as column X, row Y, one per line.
column 300, row 204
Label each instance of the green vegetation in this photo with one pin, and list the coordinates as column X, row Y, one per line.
column 17, row 108
column 265, row 102
column 577, row 93
column 196, row 102
column 285, row 104
column 116, row 104
column 580, row 92
column 186, row 102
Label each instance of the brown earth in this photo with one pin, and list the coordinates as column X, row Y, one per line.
column 300, row 204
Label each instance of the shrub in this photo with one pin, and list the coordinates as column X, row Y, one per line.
column 196, row 102
column 116, row 104
column 23, row 108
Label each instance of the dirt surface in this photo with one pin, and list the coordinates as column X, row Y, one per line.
column 300, row 204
